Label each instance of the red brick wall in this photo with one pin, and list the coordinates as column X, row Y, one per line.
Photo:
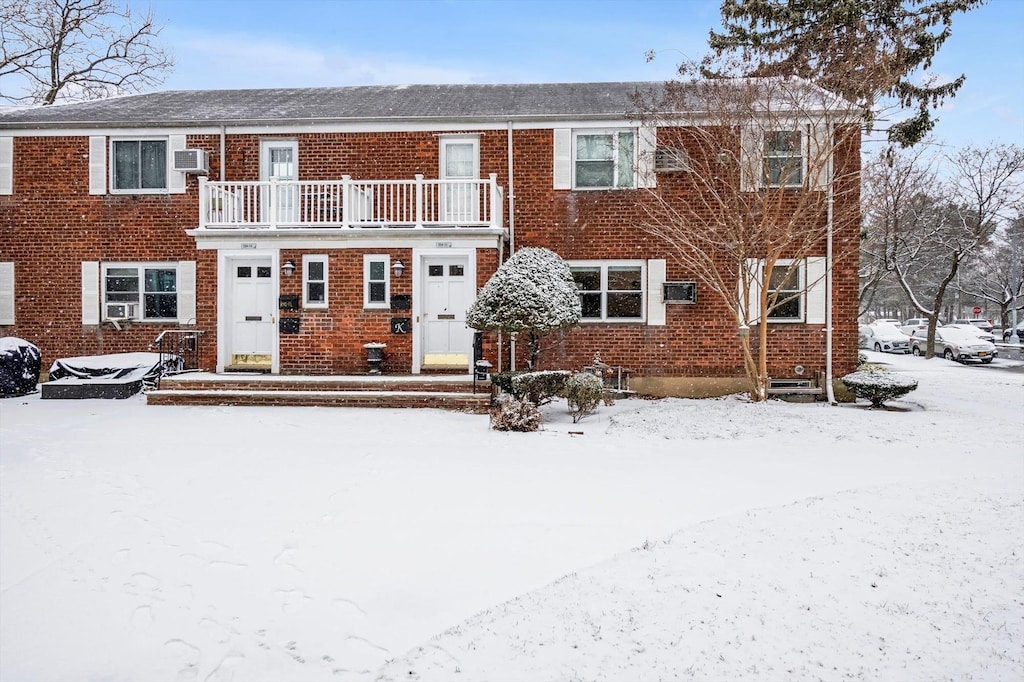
column 50, row 224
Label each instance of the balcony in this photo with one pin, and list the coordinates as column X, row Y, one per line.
column 349, row 204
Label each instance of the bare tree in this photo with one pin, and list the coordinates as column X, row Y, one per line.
column 76, row 49
column 996, row 276
column 924, row 229
column 772, row 176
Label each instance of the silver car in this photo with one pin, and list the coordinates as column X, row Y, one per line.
column 883, row 337
column 954, row 344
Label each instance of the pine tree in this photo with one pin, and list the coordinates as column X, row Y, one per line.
column 864, row 50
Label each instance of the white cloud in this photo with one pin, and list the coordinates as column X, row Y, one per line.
column 206, row 60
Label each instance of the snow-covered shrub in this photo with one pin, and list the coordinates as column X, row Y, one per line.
column 535, row 387
column 511, row 414
column 878, row 386
column 19, row 367
column 532, row 293
column 862, row 359
column 583, row 392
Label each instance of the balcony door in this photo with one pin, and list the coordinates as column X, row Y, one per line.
column 279, row 159
column 460, row 164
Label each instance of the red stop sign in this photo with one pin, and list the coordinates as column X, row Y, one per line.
column 976, row 310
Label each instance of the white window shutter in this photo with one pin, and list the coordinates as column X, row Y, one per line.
column 752, row 276
column 97, row 165
column 751, row 150
column 90, row 292
column 819, row 155
column 7, row 293
column 563, row 158
column 175, row 179
column 655, row 292
column 647, row 143
column 816, row 290
column 6, row 165
column 186, row 292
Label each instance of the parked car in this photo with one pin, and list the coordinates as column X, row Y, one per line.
column 954, row 344
column 978, row 322
column 883, row 337
column 1019, row 329
column 915, row 323
column 972, row 329
column 888, row 320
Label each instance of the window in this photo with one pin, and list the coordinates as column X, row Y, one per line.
column 144, row 292
column 787, row 286
column 375, row 281
column 610, row 290
column 139, row 165
column 783, row 159
column 314, row 281
column 604, row 159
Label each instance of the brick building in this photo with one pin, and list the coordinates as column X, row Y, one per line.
column 292, row 226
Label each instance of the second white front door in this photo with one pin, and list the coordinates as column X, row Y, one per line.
column 448, row 293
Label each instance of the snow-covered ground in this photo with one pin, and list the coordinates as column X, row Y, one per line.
column 673, row 539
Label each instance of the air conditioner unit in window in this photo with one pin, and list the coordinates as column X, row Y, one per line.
column 671, row 160
column 191, row 161
column 679, row 292
column 122, row 311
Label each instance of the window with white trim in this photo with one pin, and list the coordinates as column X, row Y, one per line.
column 610, row 291
column 604, row 159
column 787, row 281
column 141, row 291
column 376, row 283
column 314, row 281
column 783, row 158
column 138, row 165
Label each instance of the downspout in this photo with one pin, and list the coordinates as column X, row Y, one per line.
column 829, row 390
column 511, row 240
column 223, row 161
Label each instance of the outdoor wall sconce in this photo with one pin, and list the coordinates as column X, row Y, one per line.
column 288, row 268
column 398, row 268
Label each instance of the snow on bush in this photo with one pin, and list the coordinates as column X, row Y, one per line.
column 532, row 293
column 20, row 363
column 511, row 414
column 583, row 392
column 535, row 387
column 878, row 386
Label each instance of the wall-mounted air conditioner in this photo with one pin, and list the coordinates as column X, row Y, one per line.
column 191, row 161
column 679, row 292
column 671, row 160
column 122, row 311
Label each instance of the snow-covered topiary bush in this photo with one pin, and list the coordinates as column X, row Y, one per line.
column 19, row 367
column 532, row 293
column 536, row 387
column 583, row 392
column 511, row 414
column 878, row 386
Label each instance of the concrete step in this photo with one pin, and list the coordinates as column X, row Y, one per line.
column 265, row 382
column 467, row 402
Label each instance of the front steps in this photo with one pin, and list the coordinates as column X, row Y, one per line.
column 444, row 392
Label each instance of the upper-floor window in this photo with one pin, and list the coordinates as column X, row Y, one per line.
column 610, row 290
column 783, row 159
column 143, row 291
column 139, row 165
column 604, row 159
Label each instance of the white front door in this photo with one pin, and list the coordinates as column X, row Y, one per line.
column 279, row 159
column 460, row 174
column 253, row 314
column 448, row 293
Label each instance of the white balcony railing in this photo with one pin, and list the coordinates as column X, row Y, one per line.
column 350, row 204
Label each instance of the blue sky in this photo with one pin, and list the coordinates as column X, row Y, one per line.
column 298, row 43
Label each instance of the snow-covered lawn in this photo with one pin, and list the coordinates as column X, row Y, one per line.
column 672, row 539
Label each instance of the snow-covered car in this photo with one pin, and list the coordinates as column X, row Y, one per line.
column 954, row 344
column 914, row 324
column 978, row 322
column 883, row 337
column 1019, row 329
column 971, row 329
